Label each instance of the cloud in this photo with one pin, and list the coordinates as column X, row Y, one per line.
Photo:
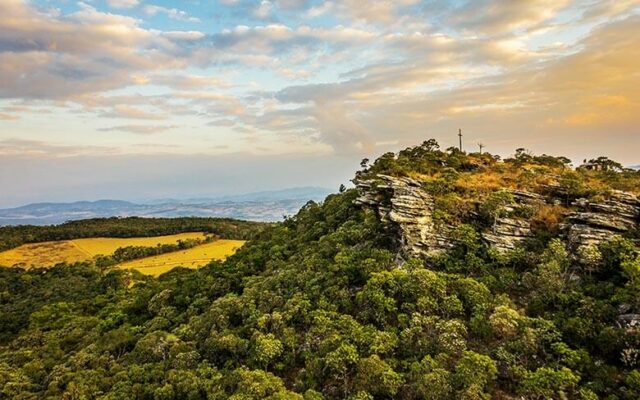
column 188, row 82
column 140, row 129
column 293, row 5
column 385, row 12
column 172, row 13
column 334, row 75
column 221, row 122
column 264, row 9
column 127, row 111
column 591, row 89
column 608, row 9
column 123, row 3
column 8, row 117
column 21, row 147
column 47, row 55
column 492, row 17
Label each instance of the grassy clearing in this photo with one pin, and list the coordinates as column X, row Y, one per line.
column 47, row 254
column 106, row 246
column 190, row 258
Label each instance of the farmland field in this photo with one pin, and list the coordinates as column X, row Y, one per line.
column 190, row 258
column 47, row 254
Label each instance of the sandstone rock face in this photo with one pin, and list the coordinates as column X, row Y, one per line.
column 596, row 222
column 407, row 209
column 508, row 233
column 403, row 205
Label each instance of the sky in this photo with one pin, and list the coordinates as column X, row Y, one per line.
column 143, row 99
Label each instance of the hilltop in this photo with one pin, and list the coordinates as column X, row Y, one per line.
column 442, row 275
column 519, row 202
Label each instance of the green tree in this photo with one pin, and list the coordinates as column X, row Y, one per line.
column 547, row 383
column 474, row 374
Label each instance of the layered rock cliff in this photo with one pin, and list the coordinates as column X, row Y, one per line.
column 593, row 223
column 408, row 209
column 508, row 232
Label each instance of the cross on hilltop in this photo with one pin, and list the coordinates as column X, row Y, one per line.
column 480, row 145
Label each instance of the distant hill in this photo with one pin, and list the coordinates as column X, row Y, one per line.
column 261, row 206
column 299, row 193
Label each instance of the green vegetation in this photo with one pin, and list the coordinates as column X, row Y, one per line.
column 319, row 306
column 14, row 236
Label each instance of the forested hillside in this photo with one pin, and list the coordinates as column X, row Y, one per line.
column 340, row 302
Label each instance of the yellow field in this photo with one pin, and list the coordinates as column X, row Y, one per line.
column 106, row 246
column 190, row 258
column 51, row 253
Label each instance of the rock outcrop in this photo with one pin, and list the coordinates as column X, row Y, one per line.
column 508, row 232
column 596, row 222
column 403, row 205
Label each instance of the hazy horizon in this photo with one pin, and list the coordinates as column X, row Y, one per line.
column 143, row 99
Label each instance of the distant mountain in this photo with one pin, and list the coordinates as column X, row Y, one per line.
column 636, row 167
column 261, row 206
column 298, row 193
column 78, row 206
column 301, row 193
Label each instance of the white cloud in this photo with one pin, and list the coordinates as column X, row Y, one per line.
column 393, row 71
column 140, row 129
column 172, row 13
column 123, row 3
column 264, row 9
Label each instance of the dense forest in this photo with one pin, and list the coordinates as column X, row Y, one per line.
column 324, row 306
column 14, row 236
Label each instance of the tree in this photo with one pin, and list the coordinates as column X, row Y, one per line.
column 607, row 164
column 547, row 383
column 504, row 322
column 430, row 145
column 551, row 276
column 474, row 373
column 340, row 362
column 377, row 377
column 266, row 349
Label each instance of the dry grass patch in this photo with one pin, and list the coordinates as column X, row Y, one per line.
column 191, row 258
column 47, row 254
